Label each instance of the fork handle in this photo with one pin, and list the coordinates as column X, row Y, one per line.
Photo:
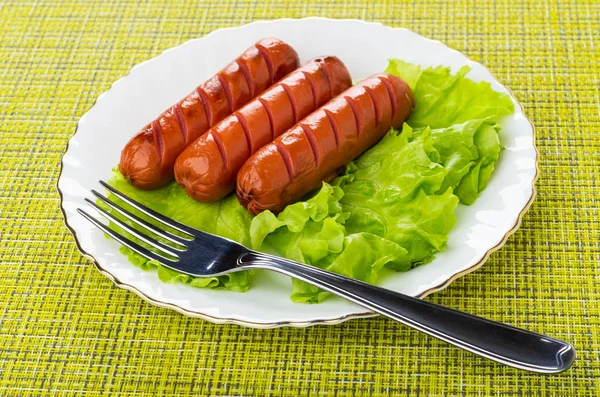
column 499, row 342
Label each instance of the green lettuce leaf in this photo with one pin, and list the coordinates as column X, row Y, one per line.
column 457, row 108
column 313, row 232
column 487, row 141
column 443, row 99
column 395, row 168
column 301, row 220
column 362, row 257
column 391, row 192
column 225, row 217
column 468, row 151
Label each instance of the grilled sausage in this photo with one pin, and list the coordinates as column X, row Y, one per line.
column 320, row 146
column 208, row 167
column 147, row 159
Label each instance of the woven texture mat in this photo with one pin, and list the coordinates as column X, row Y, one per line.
column 66, row 330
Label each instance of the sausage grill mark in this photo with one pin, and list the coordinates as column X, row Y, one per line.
column 158, row 138
column 270, row 114
column 244, row 125
column 227, row 91
column 267, row 57
column 355, row 112
column 220, row 146
column 182, row 127
column 287, row 159
column 312, row 89
column 249, row 80
column 288, row 91
column 204, row 101
column 392, row 94
column 378, row 111
column 312, row 140
column 334, row 127
column 331, row 95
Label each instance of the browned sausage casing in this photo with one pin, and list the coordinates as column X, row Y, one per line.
column 208, row 167
column 320, row 146
column 147, row 159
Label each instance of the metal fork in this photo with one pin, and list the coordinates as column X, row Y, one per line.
column 201, row 254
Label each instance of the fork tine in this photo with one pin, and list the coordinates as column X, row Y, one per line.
column 130, row 230
column 141, row 222
column 151, row 213
column 146, row 253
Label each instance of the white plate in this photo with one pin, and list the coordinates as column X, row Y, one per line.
column 154, row 85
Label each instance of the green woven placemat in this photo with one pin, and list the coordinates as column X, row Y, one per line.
column 66, row 330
